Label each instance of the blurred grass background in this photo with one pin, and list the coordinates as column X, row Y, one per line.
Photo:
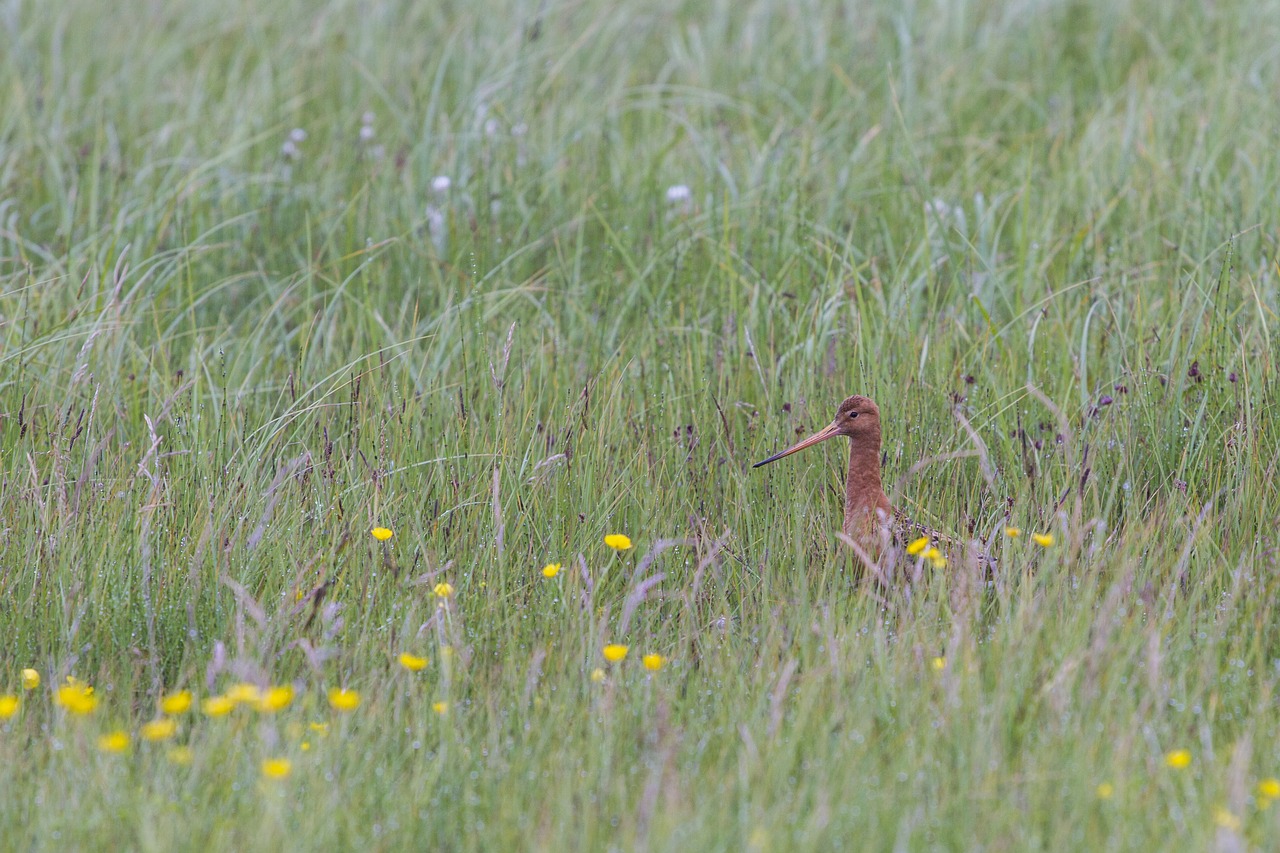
column 506, row 277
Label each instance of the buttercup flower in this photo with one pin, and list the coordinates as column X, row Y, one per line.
column 1013, row 532
column 217, row 706
column 161, row 729
column 938, row 664
column 382, row 534
column 1178, row 759
column 617, row 541
column 275, row 699
column 176, row 703
column 276, row 768
column 440, row 708
column 1269, row 788
column 918, row 545
column 116, row 741
column 1225, row 819
column 653, row 663
column 444, row 589
column 550, row 570
column 30, row 679
column 343, row 699
column 1105, row 790
column 1044, row 540
column 245, row 693
column 934, row 556
column 8, row 706
column 76, row 697
column 597, row 675
column 413, row 663
column 614, row 652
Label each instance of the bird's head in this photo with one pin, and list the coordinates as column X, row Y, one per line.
column 857, row 417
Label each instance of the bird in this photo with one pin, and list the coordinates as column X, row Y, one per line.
column 865, row 504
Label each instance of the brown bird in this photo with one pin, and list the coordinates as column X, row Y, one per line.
column 865, row 503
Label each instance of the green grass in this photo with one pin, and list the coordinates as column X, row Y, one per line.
column 222, row 364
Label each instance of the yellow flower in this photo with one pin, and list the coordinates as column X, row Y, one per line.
column 1225, row 819
column 343, row 699
column 76, row 697
column 1013, row 532
column 217, row 706
column 1178, row 759
column 446, row 652
column 116, row 741
column 321, row 729
column 444, row 589
column 176, row 703
column 441, row 708
column 617, row 541
column 276, row 768
column 1269, row 788
column 382, row 534
column 550, row 570
column 938, row 664
column 934, row 556
column 180, row 755
column 305, row 746
column 1105, row 790
column 597, row 675
column 653, row 663
column 161, row 729
column 614, row 652
column 917, row 545
column 245, row 693
column 1044, row 540
column 8, row 706
column 275, row 699
column 413, row 663
column 30, row 679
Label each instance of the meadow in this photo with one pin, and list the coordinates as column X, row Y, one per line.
column 498, row 280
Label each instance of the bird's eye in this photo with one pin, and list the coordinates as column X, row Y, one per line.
column 853, row 414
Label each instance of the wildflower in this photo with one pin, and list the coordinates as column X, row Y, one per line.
column 159, row 729
column 275, row 699
column 276, row 768
column 321, row 729
column 614, row 652
column 343, row 699
column 382, row 534
column 1105, row 790
column 1269, row 788
column 918, row 545
column 244, row 693
column 30, row 679
column 180, row 755
column 176, row 703
column 413, row 663
column 617, row 541
column 1013, row 532
column 678, row 193
column 305, row 746
column 597, row 675
column 446, row 652
column 550, row 570
column 444, row 589
column 441, row 708
column 938, row 664
column 1225, row 819
column 934, row 556
column 8, row 706
column 116, row 741
column 441, row 183
column 1044, row 540
column 76, row 697
column 653, row 663
column 1178, row 759
column 218, row 706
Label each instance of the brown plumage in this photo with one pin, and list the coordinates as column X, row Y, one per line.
column 865, row 503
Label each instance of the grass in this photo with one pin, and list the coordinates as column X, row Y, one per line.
column 1042, row 236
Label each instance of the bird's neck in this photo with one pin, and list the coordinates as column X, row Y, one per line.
column 863, row 492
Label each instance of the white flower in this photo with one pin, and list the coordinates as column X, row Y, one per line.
column 297, row 135
column 441, row 183
column 678, row 193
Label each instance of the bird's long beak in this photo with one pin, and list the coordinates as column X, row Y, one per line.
column 821, row 435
